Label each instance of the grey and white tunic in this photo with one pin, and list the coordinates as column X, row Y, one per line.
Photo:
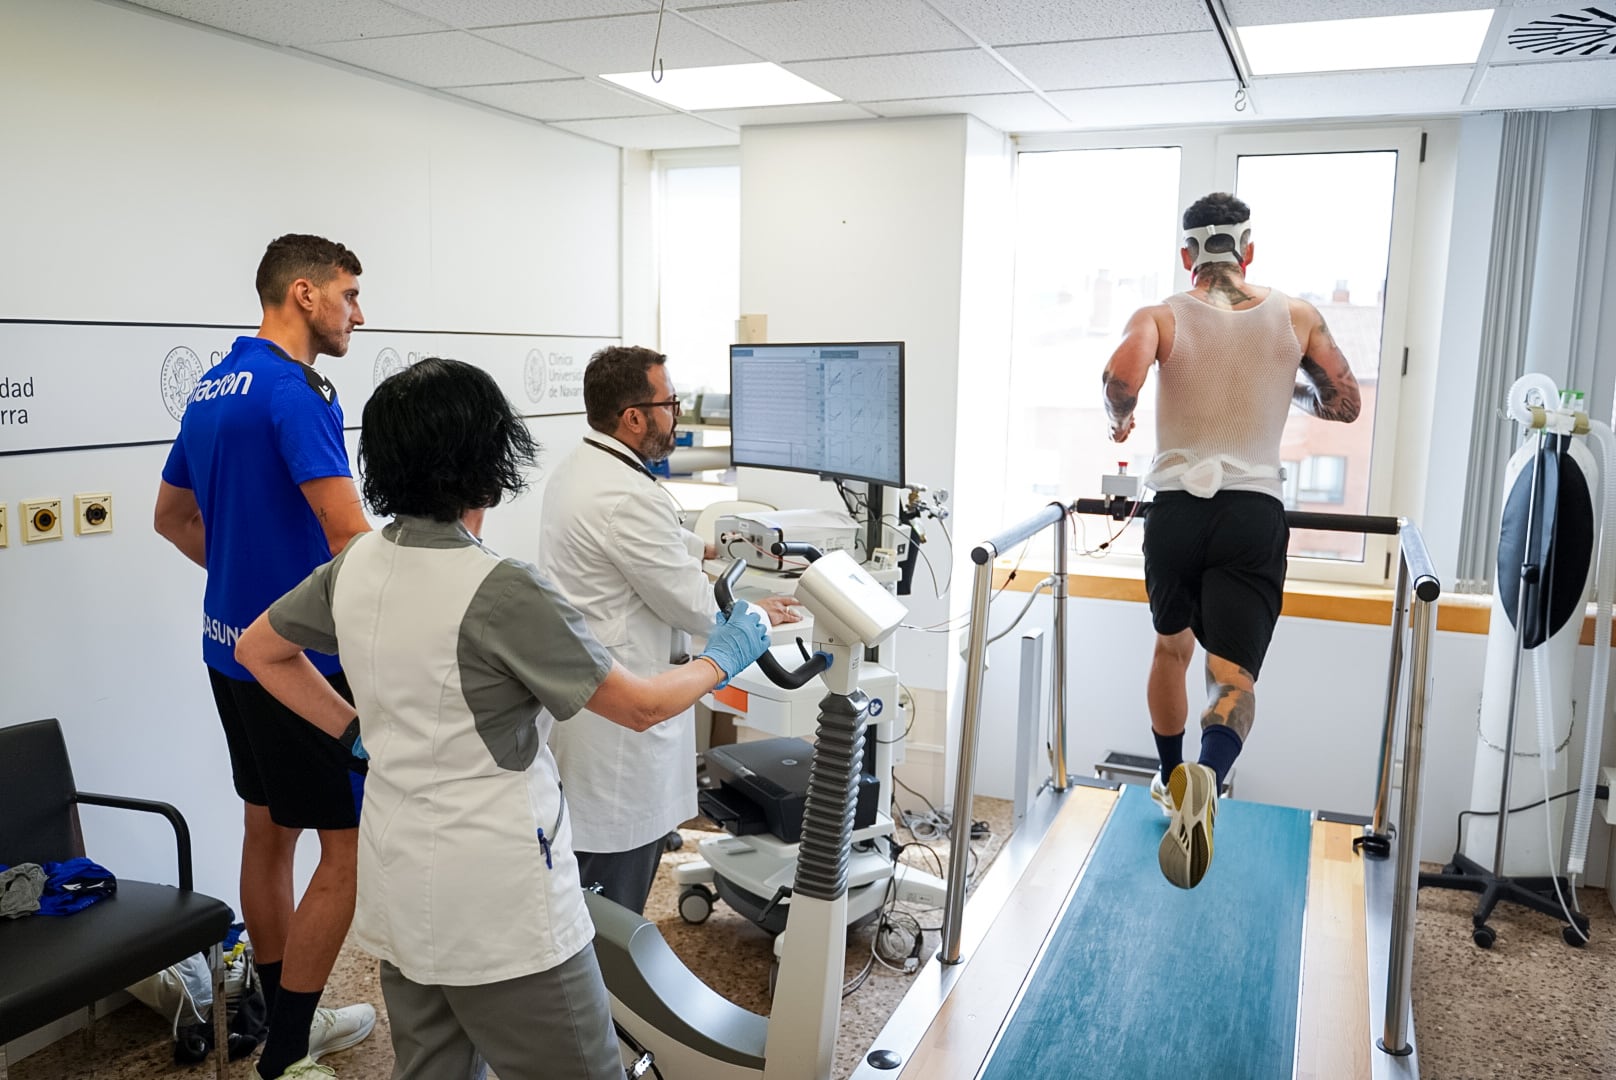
column 466, row 871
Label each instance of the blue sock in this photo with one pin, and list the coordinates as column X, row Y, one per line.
column 1220, row 745
column 1170, row 749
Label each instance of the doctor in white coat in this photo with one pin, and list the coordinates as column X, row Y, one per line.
column 610, row 539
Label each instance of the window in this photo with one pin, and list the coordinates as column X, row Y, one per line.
column 1322, row 226
column 1097, row 237
column 698, row 266
column 1322, row 480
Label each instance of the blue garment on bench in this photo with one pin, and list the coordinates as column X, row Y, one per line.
column 74, row 885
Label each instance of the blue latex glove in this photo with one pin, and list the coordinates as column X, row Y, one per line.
column 738, row 641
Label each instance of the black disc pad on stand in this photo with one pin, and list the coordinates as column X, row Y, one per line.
column 1565, row 514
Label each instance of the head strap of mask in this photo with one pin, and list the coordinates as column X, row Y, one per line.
column 1238, row 231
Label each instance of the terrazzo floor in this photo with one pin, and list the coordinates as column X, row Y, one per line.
column 1529, row 1008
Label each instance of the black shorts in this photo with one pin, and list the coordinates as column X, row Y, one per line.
column 282, row 761
column 1217, row 566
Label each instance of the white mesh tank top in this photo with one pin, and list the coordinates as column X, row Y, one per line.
column 1223, row 397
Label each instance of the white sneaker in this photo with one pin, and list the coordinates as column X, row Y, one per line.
column 301, row 1069
column 1186, row 848
column 1160, row 795
column 338, row 1029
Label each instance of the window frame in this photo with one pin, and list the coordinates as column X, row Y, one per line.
column 1209, row 158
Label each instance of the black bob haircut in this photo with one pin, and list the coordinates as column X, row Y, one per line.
column 440, row 439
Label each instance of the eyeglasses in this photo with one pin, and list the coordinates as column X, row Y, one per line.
column 671, row 403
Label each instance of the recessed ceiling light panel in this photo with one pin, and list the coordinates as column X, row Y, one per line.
column 1392, row 41
column 729, row 86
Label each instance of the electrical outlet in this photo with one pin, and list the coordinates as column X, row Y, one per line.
column 92, row 513
column 41, row 520
column 5, row 537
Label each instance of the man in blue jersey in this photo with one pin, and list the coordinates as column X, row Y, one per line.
column 257, row 491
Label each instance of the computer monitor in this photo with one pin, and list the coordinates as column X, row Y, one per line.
column 834, row 409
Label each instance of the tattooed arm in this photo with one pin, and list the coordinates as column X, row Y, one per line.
column 1124, row 375
column 1331, row 391
column 335, row 502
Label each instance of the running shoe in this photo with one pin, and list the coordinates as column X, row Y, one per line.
column 301, row 1069
column 339, row 1029
column 1160, row 795
column 1186, row 848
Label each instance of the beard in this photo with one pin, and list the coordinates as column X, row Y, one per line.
column 657, row 445
column 330, row 343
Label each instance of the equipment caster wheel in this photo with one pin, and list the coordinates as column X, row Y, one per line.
column 1484, row 936
column 673, row 841
column 695, row 904
column 1572, row 938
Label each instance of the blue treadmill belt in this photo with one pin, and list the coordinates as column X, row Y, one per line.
column 1143, row 980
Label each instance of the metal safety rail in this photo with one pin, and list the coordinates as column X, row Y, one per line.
column 1417, row 587
column 1055, row 514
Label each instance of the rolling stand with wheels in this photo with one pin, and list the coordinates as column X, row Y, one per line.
column 1546, row 545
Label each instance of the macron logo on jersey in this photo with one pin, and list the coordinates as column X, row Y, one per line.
column 236, row 382
column 320, row 384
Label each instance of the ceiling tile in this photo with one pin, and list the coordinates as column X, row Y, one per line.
column 1574, row 83
column 620, row 43
column 654, row 132
column 820, row 29
column 1007, row 112
column 1151, row 106
column 1078, row 65
column 569, row 99
column 452, row 58
column 1268, row 12
column 786, row 114
column 1017, row 22
column 1361, row 93
column 298, row 22
column 910, row 75
column 1538, row 34
column 475, row 13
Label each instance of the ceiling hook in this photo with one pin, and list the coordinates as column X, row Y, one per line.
column 656, row 46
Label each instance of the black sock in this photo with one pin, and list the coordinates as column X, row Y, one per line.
column 1220, row 745
column 288, row 1031
column 269, row 976
column 1170, row 748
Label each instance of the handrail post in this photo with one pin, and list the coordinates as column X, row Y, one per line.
column 1394, row 678
column 1058, row 674
column 965, row 770
column 1405, row 896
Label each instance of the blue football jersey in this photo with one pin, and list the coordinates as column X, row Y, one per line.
column 257, row 425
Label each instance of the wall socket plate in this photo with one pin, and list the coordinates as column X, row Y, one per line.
column 41, row 520
column 92, row 513
column 5, row 537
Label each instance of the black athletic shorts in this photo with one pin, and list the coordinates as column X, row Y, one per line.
column 282, row 761
column 1217, row 566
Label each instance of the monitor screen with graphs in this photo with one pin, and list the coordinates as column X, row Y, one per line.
column 831, row 409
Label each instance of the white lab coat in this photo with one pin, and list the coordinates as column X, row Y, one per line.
column 611, row 542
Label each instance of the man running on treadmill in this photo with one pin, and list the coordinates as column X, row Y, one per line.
column 1229, row 354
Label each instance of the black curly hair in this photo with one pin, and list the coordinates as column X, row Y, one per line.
column 439, row 439
column 1218, row 208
